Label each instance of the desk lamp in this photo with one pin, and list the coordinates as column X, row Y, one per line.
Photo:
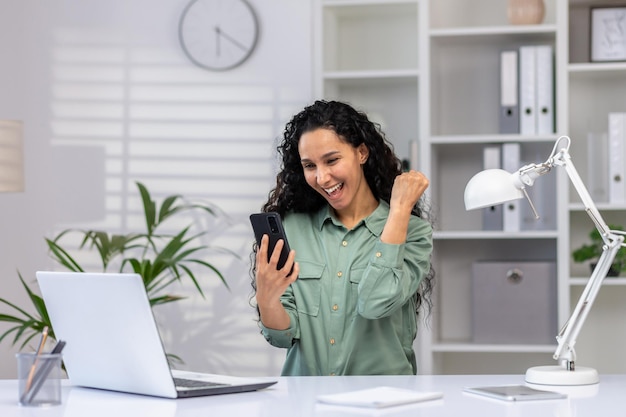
column 495, row 186
column 11, row 166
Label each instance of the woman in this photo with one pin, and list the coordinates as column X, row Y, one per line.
column 346, row 301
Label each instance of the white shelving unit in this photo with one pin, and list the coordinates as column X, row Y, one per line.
column 465, row 42
column 594, row 90
column 429, row 72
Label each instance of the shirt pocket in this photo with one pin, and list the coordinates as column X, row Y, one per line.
column 308, row 288
column 356, row 274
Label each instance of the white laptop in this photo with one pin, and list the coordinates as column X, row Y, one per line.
column 112, row 341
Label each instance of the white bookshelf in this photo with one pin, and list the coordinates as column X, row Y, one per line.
column 439, row 87
column 594, row 90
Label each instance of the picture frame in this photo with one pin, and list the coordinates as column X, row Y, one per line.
column 608, row 33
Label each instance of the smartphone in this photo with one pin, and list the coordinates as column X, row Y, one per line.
column 270, row 224
column 515, row 393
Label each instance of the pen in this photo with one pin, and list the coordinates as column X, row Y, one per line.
column 42, row 374
column 31, row 373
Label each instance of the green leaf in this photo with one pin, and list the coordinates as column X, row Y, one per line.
column 164, row 299
column 15, row 307
column 174, row 360
column 149, row 208
column 193, row 279
column 38, row 303
column 27, row 326
column 63, row 257
column 168, row 209
column 213, row 268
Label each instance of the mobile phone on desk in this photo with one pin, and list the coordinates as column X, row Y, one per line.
column 515, row 393
column 270, row 224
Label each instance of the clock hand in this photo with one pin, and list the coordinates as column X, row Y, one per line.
column 217, row 40
column 231, row 39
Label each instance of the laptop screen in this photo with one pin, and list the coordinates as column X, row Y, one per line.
column 112, row 338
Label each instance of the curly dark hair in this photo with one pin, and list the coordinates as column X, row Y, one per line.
column 292, row 193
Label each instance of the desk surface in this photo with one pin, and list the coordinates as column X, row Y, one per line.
column 295, row 396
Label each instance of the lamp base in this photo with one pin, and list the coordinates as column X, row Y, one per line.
column 557, row 375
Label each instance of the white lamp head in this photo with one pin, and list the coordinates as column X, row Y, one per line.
column 491, row 187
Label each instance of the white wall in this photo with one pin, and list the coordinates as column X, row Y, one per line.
column 108, row 98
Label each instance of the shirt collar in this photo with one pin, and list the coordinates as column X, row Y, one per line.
column 375, row 222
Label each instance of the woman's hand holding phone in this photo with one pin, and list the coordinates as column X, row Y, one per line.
column 276, row 269
column 270, row 224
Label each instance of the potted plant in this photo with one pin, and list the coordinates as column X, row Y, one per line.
column 592, row 251
column 160, row 258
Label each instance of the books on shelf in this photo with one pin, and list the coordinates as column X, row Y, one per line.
column 606, row 159
column 542, row 193
column 492, row 216
column 511, row 158
column 517, row 215
column 527, row 90
column 597, row 166
column 544, row 83
column 617, row 157
column 509, row 103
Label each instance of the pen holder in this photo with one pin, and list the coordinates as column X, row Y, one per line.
column 39, row 379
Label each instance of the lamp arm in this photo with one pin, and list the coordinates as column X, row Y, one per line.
column 566, row 338
column 564, row 159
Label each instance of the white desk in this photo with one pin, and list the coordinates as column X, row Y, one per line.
column 295, row 396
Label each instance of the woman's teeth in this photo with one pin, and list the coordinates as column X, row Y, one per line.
column 333, row 189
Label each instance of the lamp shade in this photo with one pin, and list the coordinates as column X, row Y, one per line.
column 491, row 187
column 11, row 156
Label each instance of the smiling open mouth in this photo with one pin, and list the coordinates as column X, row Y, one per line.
column 331, row 191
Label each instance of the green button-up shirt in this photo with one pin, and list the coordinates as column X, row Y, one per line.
column 352, row 307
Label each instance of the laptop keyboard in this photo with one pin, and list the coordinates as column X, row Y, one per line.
column 195, row 383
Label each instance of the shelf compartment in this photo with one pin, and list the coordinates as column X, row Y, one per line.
column 366, row 35
column 454, row 164
column 580, row 227
column 462, row 13
column 453, row 259
column 465, row 70
column 595, row 90
column 580, row 28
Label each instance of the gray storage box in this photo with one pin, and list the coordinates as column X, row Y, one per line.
column 514, row 302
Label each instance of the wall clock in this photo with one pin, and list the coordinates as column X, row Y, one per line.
column 218, row 35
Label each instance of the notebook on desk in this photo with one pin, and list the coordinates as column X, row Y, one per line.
column 113, row 342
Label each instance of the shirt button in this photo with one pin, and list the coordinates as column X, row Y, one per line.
column 344, row 243
column 378, row 254
column 335, row 307
column 339, row 274
column 332, row 341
